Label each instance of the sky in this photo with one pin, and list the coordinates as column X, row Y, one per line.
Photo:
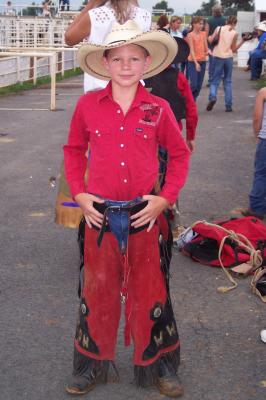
column 180, row 6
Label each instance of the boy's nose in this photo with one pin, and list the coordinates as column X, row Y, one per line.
column 126, row 64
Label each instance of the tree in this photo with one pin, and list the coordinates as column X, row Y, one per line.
column 237, row 5
column 206, row 8
column 31, row 11
column 163, row 5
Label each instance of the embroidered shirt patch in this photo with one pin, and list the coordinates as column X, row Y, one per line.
column 151, row 114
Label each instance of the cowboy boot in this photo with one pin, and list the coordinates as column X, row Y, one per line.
column 167, row 381
column 87, row 373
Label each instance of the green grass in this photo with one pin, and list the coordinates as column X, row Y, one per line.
column 40, row 81
column 261, row 83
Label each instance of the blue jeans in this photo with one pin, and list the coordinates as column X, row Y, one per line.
column 222, row 68
column 256, row 57
column 210, row 70
column 257, row 197
column 119, row 219
column 196, row 77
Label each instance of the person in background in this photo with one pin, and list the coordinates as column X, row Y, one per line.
column 223, row 62
column 163, row 23
column 175, row 26
column 259, row 53
column 257, row 197
column 46, row 10
column 197, row 41
column 63, row 4
column 217, row 19
column 172, row 85
column 9, row 10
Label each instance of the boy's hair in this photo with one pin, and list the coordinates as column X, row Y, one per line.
column 196, row 20
column 145, row 51
column 175, row 18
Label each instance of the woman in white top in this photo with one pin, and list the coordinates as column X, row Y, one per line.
column 223, row 61
column 95, row 21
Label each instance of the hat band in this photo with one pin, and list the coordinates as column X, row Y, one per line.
column 116, row 41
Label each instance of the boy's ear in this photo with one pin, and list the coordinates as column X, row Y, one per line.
column 147, row 63
column 105, row 63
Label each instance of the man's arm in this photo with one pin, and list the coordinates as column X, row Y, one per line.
column 258, row 111
column 191, row 110
column 170, row 138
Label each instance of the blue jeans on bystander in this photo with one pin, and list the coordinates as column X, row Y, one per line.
column 196, row 77
column 210, row 69
column 256, row 57
column 222, row 67
column 257, row 197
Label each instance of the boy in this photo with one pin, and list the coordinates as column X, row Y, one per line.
column 124, row 125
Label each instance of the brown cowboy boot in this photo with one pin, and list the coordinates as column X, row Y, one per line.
column 167, row 381
column 169, row 386
column 87, row 373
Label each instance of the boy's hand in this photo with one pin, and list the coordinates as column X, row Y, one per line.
column 156, row 205
column 92, row 216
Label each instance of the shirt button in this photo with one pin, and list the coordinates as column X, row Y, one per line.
column 96, row 131
column 145, row 136
column 122, row 163
column 118, row 111
column 121, row 128
column 122, row 145
column 125, row 180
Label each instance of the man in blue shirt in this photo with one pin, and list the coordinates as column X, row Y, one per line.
column 259, row 53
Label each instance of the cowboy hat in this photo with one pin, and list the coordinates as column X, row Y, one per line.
column 160, row 45
column 261, row 26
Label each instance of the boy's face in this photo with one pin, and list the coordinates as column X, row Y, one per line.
column 126, row 64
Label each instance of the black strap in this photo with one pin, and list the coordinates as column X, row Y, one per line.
column 103, row 209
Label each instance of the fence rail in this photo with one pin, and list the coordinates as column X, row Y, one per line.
column 29, row 64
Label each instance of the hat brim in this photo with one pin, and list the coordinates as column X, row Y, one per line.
column 160, row 45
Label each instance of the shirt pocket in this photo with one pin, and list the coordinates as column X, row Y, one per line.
column 100, row 140
column 145, row 141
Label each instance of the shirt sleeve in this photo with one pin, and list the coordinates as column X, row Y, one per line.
column 170, row 138
column 75, row 159
column 191, row 107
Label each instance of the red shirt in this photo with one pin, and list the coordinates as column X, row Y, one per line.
column 191, row 107
column 123, row 148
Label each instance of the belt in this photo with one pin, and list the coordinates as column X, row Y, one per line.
column 103, row 209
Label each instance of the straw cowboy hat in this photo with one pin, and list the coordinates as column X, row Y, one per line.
column 160, row 45
column 261, row 26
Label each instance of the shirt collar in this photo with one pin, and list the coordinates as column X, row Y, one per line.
column 142, row 95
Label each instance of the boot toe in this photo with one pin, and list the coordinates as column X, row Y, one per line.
column 169, row 386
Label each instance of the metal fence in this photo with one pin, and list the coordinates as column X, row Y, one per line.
column 17, row 66
column 32, row 31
